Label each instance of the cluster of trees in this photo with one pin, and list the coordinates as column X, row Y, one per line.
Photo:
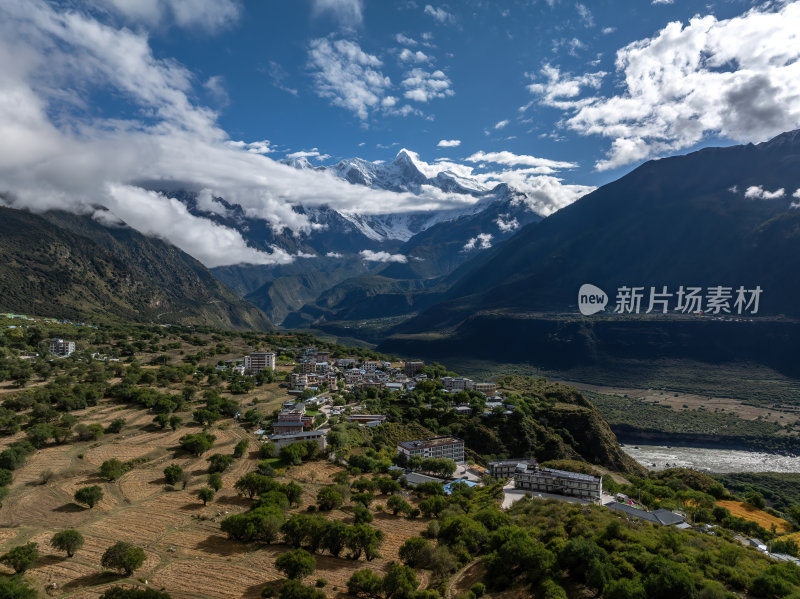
column 400, row 582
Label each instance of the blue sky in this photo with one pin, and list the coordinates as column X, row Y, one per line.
column 99, row 99
column 487, row 51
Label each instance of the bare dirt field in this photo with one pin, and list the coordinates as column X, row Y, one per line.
column 187, row 555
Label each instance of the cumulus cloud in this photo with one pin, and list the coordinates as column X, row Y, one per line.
column 757, row 192
column 312, row 153
column 371, row 256
column 737, row 78
column 440, row 14
column 333, row 255
column 210, row 15
column 796, row 194
column 422, row 86
column 560, row 90
column 510, row 159
column 507, row 225
column 405, row 40
column 482, row 242
column 348, row 12
column 407, row 55
column 448, row 143
column 585, row 14
column 663, row 2
column 501, row 124
column 348, row 76
column 254, row 147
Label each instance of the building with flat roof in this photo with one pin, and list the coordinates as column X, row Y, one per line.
column 560, row 482
column 258, row 361
column 62, row 348
column 282, row 440
column 507, row 468
column 661, row 517
column 450, row 448
column 365, row 418
column 413, row 368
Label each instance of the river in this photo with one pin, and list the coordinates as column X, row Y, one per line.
column 718, row 461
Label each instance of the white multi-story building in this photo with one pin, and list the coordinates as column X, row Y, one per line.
column 457, row 384
column 258, row 361
column 61, row 348
column 370, row 367
column 450, row 448
column 559, row 482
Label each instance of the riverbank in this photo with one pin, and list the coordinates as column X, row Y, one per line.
column 716, row 461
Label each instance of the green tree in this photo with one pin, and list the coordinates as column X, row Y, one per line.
column 668, row 580
column 241, row 448
column 89, row 495
column 16, row 587
column 175, row 422
column 253, row 483
column 215, row 481
column 399, row 582
column 133, row 593
column 365, row 583
column 39, row 434
column 161, row 420
column 293, row 589
column 415, row 552
column 123, row 556
column 296, row 564
column 22, row 557
column 173, row 473
column 116, row 425
column 219, row 462
column 335, row 537
column 398, row 504
column 68, row 540
column 198, row 443
column 112, row 469
column 328, row 498
column 362, row 514
column 205, row 494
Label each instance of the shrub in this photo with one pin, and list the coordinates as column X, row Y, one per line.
column 112, row 469
column 198, row 443
column 123, row 556
column 365, row 582
column 67, row 540
column 219, row 462
column 296, row 564
column 172, row 473
column 16, row 587
column 292, row 589
column 241, row 448
column 89, row 495
column 329, row 498
column 116, row 425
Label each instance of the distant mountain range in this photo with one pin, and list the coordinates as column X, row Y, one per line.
column 430, row 243
column 69, row 266
column 719, row 216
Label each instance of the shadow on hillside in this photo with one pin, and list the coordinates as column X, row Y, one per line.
column 194, row 506
column 94, row 579
column 234, row 500
column 220, row 545
column 70, row 508
column 48, row 560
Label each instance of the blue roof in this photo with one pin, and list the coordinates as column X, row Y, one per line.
column 448, row 486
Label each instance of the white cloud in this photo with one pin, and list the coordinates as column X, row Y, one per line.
column 501, row 124
column 608, row 30
column 507, row 225
column 347, row 75
column 561, row 89
column 371, row 256
column 278, row 75
column 312, row 153
column 58, row 154
column 210, row 15
column 405, row 40
column 407, row 55
column 585, row 14
column 441, row 15
column 215, row 87
column 736, row 78
column 482, row 242
column 448, row 143
column 510, row 159
column 796, row 194
column 757, row 192
column 663, row 2
column 348, row 12
column 333, row 255
column 254, row 147
column 422, row 86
